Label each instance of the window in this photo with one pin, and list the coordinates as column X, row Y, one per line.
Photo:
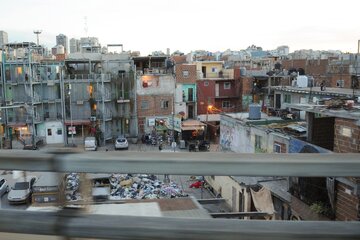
column 213, row 69
column 206, row 83
column 226, row 104
column 277, row 148
column 287, row 98
column 185, row 73
column 49, row 132
column 227, row 85
column 59, row 131
column 144, row 105
column 164, row 104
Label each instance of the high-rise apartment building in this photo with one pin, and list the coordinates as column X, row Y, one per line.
column 62, row 39
column 74, row 45
column 3, row 38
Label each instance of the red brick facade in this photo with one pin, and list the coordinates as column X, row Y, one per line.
column 347, row 140
column 344, row 143
column 186, row 73
column 205, row 95
column 347, row 205
column 322, row 70
column 154, row 108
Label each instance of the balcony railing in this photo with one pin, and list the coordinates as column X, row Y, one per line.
column 216, row 75
column 92, row 77
column 74, row 223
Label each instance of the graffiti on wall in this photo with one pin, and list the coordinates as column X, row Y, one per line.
column 227, row 137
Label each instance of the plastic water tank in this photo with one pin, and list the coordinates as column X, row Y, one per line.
column 242, row 71
column 302, row 81
column 60, row 49
column 254, row 111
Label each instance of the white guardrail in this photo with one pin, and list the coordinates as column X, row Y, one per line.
column 72, row 223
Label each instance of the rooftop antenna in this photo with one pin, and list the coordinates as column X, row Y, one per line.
column 86, row 26
column 37, row 32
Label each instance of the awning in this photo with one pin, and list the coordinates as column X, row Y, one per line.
column 14, row 125
column 209, row 117
column 191, row 125
column 192, row 128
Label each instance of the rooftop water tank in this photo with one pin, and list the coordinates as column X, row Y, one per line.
column 242, row 71
column 60, row 49
column 302, row 81
column 254, row 112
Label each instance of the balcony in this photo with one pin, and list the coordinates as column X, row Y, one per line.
column 87, row 77
column 153, row 71
column 215, row 75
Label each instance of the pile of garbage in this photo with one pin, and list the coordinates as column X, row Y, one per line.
column 72, row 187
column 142, row 186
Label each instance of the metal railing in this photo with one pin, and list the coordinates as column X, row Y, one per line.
column 93, row 77
column 78, row 224
column 216, row 75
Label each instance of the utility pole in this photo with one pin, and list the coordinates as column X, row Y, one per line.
column 32, row 110
column 71, row 121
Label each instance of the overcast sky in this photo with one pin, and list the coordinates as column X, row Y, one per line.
column 185, row 25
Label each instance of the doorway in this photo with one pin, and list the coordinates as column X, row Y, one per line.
column 203, row 69
column 277, row 101
column 190, row 111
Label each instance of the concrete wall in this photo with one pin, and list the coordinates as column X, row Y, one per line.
column 157, row 84
column 235, row 136
column 239, row 137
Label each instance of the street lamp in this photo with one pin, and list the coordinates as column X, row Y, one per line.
column 208, row 109
column 71, row 121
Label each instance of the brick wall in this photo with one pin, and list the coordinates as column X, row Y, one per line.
column 186, row 67
column 347, row 140
column 246, row 85
column 311, row 66
column 154, row 103
column 205, row 95
column 347, row 204
column 347, row 136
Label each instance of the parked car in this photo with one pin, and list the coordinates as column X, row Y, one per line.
column 21, row 192
column 90, row 144
column 4, row 187
column 121, row 143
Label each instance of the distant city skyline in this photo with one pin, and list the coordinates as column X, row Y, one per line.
column 148, row 26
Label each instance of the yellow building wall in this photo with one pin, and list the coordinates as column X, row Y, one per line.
column 223, row 185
